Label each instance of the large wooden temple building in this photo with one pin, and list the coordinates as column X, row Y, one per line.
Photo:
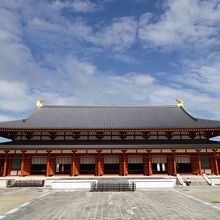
column 109, row 140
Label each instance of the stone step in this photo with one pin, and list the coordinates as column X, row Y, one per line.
column 196, row 180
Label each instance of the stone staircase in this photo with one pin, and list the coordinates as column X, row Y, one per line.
column 197, row 180
column 215, row 180
column 113, row 184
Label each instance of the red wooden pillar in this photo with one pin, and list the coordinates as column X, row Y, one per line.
column 125, row 164
column 199, row 164
column 52, row 164
column 5, row 164
column 73, row 164
column 145, row 164
column 48, row 164
column 22, row 163
column 77, row 166
column 174, row 163
column 99, row 164
column 216, row 165
column 149, row 162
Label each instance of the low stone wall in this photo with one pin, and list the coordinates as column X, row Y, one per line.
column 3, row 183
column 72, row 184
column 153, row 183
column 141, row 183
column 215, row 180
column 84, row 183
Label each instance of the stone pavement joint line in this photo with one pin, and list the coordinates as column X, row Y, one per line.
column 151, row 204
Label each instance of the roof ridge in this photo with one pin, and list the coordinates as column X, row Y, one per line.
column 107, row 106
column 189, row 114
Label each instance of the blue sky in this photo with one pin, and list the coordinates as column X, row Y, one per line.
column 104, row 52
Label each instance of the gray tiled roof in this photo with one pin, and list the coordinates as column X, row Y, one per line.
column 110, row 117
column 69, row 145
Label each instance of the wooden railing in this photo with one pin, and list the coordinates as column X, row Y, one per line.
column 100, row 187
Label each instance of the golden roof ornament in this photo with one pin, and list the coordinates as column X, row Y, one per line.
column 180, row 103
column 40, row 103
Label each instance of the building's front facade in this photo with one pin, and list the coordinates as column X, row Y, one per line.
column 109, row 140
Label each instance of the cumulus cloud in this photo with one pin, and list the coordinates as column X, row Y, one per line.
column 143, row 80
column 202, row 74
column 76, row 5
column 14, row 96
column 19, row 97
column 119, row 35
column 90, row 85
column 188, row 21
column 39, row 58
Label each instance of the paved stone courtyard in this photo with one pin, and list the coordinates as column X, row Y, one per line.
column 151, row 204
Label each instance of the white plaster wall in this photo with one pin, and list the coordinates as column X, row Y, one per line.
column 154, row 183
column 72, row 184
column 2, row 183
column 215, row 180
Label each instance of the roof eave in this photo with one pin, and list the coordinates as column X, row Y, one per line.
column 111, row 129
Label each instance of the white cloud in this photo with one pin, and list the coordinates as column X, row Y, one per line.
column 143, row 80
column 19, row 97
column 16, row 61
column 16, row 96
column 12, row 89
column 76, row 5
column 188, row 21
column 6, row 118
column 202, row 74
column 90, row 86
column 119, row 35
column 57, row 98
column 67, row 79
column 126, row 58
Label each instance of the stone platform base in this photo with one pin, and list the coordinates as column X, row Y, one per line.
column 84, row 182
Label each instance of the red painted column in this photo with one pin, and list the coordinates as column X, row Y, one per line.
column 174, row 163
column 77, row 166
column 98, row 163
column 5, row 164
column 216, row 165
column 125, row 164
column 149, row 160
column 145, row 164
column 22, row 163
column 48, row 163
column 73, row 164
column 199, row 165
